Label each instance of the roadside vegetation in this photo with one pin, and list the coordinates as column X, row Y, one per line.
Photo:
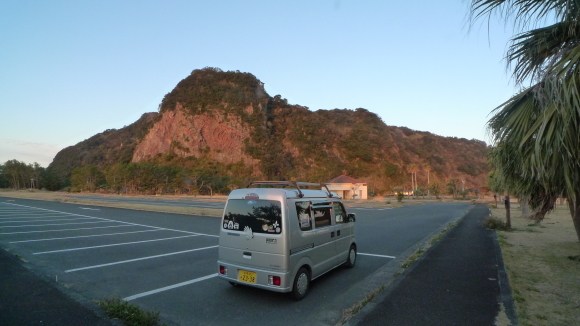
column 128, row 313
column 543, row 263
column 535, row 157
column 536, row 152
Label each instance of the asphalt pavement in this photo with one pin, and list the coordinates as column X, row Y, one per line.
column 27, row 299
column 461, row 280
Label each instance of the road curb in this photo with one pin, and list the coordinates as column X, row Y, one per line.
column 504, row 285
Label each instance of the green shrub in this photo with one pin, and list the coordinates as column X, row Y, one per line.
column 400, row 197
column 128, row 313
column 495, row 223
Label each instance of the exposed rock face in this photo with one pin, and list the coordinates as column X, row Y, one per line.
column 213, row 119
column 219, row 136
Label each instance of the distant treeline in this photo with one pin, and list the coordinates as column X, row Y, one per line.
column 127, row 178
column 150, row 178
column 19, row 175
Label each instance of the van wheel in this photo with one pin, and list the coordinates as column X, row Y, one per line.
column 301, row 284
column 351, row 260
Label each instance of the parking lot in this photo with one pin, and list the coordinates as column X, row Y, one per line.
column 167, row 262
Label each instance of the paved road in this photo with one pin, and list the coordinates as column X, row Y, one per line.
column 29, row 300
column 167, row 262
column 459, row 281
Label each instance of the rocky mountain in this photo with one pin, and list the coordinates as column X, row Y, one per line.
column 104, row 149
column 227, row 123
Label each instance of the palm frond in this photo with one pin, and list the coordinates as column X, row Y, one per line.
column 550, row 50
column 524, row 13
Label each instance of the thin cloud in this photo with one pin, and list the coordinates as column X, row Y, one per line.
column 28, row 152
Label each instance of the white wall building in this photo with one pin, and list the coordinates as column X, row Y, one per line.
column 347, row 187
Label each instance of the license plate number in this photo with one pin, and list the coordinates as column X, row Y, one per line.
column 248, row 277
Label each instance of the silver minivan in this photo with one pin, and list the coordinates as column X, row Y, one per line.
column 280, row 239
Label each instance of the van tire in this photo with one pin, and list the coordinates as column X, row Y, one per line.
column 351, row 259
column 301, row 284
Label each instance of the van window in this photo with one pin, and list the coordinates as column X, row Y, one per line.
column 339, row 213
column 261, row 216
column 304, row 215
column 322, row 216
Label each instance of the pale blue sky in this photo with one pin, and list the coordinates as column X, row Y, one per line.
column 72, row 69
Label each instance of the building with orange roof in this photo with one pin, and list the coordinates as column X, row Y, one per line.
column 348, row 188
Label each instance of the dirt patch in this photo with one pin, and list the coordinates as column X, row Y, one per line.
column 544, row 278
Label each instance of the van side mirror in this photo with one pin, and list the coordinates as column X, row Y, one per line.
column 351, row 217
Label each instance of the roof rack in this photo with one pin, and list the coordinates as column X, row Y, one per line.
column 295, row 184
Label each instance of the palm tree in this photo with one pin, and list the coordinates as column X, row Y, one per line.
column 427, row 168
column 537, row 131
column 413, row 168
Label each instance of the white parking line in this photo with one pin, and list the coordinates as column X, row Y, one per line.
column 105, row 219
column 82, row 236
column 29, row 212
column 383, row 256
column 136, row 259
column 32, row 217
column 111, row 245
column 44, row 231
column 27, row 226
column 144, row 294
column 66, row 219
column 14, row 211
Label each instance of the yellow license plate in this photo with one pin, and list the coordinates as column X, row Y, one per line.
column 245, row 276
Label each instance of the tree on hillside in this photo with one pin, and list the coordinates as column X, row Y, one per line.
column 49, row 180
column 19, row 175
column 3, row 178
column 435, row 189
column 536, row 132
column 87, row 178
column 427, row 168
column 413, row 169
column 452, row 188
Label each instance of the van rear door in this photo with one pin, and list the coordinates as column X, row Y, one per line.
column 252, row 233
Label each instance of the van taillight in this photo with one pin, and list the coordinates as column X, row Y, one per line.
column 223, row 270
column 274, row 280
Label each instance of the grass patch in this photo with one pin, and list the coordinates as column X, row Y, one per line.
column 128, row 313
column 413, row 257
column 542, row 262
column 358, row 306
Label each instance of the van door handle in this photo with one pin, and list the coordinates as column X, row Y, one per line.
column 332, row 234
column 338, row 233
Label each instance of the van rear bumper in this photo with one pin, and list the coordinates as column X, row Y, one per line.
column 262, row 276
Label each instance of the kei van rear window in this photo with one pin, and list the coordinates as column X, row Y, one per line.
column 260, row 216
